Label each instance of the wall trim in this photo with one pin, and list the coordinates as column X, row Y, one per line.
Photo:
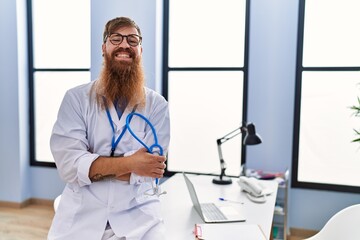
column 27, row 202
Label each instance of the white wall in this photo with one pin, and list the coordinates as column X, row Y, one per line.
column 271, row 100
column 10, row 162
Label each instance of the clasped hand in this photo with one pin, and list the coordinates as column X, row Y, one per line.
column 147, row 164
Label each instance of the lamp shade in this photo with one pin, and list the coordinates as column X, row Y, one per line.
column 251, row 138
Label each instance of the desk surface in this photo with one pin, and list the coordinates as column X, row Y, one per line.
column 180, row 217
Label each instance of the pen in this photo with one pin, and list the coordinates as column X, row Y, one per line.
column 227, row 200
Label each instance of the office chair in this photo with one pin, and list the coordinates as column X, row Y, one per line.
column 343, row 225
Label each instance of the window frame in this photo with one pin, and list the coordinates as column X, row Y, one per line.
column 166, row 69
column 31, row 72
column 295, row 183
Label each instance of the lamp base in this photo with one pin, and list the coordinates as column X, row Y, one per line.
column 223, row 181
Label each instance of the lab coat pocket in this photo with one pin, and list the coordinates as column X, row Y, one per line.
column 70, row 203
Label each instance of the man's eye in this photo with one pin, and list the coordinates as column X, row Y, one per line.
column 133, row 40
column 116, row 40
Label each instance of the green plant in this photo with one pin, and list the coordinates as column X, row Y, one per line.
column 356, row 109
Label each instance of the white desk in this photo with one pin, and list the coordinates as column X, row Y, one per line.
column 180, row 216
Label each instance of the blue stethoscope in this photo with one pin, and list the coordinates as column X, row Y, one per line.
column 153, row 149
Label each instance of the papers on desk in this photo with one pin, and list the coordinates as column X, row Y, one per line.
column 216, row 231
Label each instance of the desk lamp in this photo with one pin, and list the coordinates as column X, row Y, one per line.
column 251, row 138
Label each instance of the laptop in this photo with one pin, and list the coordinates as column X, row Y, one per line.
column 212, row 213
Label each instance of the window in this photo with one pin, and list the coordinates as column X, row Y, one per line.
column 205, row 82
column 59, row 58
column 327, row 85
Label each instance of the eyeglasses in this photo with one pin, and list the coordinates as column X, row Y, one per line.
column 132, row 39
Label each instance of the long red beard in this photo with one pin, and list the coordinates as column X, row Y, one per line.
column 121, row 82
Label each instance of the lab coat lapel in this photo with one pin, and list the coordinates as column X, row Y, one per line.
column 115, row 119
column 119, row 124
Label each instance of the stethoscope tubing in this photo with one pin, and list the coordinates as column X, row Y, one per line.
column 148, row 148
column 151, row 148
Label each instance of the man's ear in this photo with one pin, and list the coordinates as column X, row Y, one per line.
column 103, row 47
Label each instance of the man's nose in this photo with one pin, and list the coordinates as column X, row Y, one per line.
column 124, row 43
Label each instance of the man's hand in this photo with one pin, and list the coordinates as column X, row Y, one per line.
column 146, row 164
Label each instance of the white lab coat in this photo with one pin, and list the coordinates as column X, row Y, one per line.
column 81, row 134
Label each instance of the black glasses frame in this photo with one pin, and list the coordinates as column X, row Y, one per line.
column 122, row 39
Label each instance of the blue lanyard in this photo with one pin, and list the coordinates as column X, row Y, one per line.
column 114, row 142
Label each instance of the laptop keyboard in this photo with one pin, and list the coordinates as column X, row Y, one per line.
column 212, row 212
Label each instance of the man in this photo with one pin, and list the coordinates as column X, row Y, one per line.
column 108, row 173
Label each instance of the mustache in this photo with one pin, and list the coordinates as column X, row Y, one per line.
column 127, row 50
